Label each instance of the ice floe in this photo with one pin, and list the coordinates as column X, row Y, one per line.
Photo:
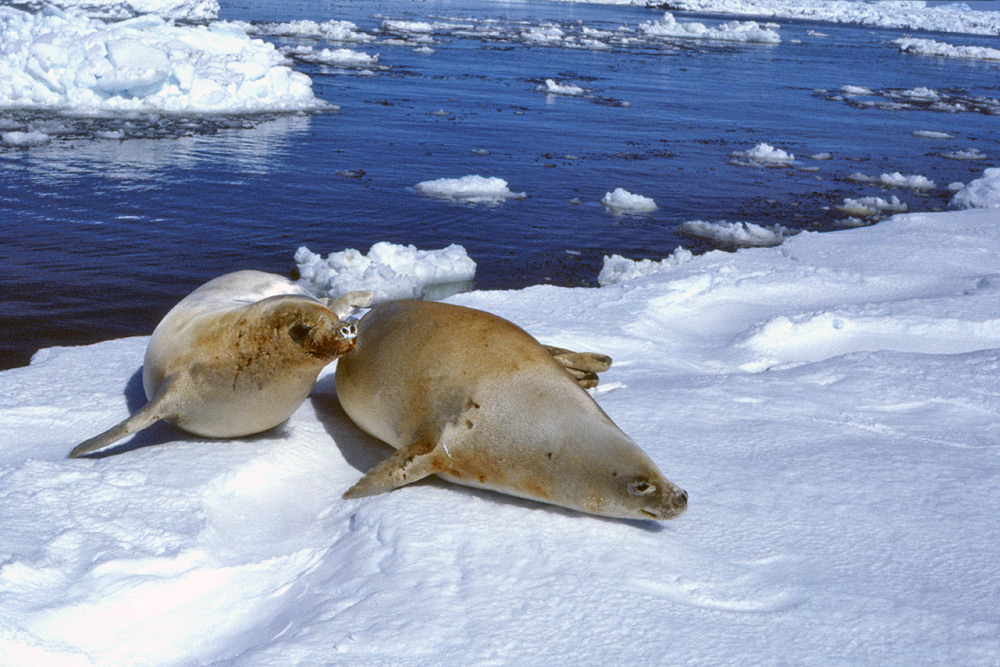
column 948, row 17
column 930, row 47
column 472, row 189
column 734, row 31
column 62, row 61
column 896, row 180
column 620, row 201
column 736, row 234
column 391, row 271
column 762, row 155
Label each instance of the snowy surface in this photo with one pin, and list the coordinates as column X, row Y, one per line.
column 832, row 406
column 67, row 62
column 391, row 271
column 984, row 192
column 187, row 10
column 472, row 189
column 910, row 14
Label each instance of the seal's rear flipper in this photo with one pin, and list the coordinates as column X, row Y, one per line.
column 409, row 464
column 150, row 413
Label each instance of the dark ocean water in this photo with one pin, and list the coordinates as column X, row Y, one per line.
column 101, row 237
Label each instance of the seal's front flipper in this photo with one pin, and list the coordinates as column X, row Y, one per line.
column 150, row 413
column 409, row 464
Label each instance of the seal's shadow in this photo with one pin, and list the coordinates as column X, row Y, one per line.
column 363, row 452
column 161, row 432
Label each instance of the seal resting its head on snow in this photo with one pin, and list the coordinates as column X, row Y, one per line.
column 473, row 398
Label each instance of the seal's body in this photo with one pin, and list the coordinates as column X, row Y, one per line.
column 235, row 357
column 473, row 398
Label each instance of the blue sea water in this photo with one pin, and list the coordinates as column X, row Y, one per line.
column 101, row 237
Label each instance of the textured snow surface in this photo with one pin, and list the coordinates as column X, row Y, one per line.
column 831, row 405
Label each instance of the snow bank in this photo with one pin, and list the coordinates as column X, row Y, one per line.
column 621, row 201
column 734, row 31
column 912, row 15
column 471, row 189
column 186, row 10
column 930, row 47
column 736, row 234
column 618, row 269
column 65, row 61
column 843, row 503
column 984, row 192
column 762, row 155
column 391, row 271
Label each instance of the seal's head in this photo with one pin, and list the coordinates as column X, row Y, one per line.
column 297, row 326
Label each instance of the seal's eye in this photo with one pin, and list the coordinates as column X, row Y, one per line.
column 641, row 487
column 299, row 333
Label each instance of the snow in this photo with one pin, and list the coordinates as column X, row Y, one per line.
column 831, row 405
column 618, row 269
column 70, row 63
column 472, row 189
column 186, row 10
column 909, row 14
column 734, row 31
column 931, row 47
column 984, row 192
column 762, row 155
column 391, row 271
column 736, row 234
column 620, row 201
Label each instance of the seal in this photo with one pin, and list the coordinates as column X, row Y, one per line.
column 473, row 398
column 237, row 356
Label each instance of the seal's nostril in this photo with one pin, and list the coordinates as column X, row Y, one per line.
column 683, row 497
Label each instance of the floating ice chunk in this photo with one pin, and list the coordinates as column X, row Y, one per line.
column 339, row 58
column 544, row 35
column 920, row 93
column 618, row 269
column 969, row 154
column 734, row 31
column 872, row 207
column 984, row 192
column 621, row 201
column 896, row 180
column 856, row 91
column 551, row 87
column 931, row 47
column 26, row 139
column 736, row 234
column 391, row 271
column 58, row 61
column 472, row 189
column 762, row 155
column 931, row 134
column 334, row 31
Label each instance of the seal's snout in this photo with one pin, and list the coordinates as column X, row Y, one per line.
column 674, row 503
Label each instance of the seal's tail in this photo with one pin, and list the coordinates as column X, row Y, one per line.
column 150, row 413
